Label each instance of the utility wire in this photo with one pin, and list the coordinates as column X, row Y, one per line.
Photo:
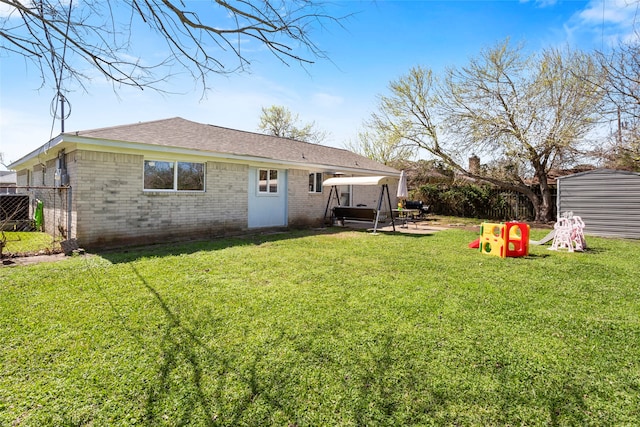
column 59, row 98
column 602, row 29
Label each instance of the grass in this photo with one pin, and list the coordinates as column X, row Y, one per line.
column 23, row 242
column 340, row 328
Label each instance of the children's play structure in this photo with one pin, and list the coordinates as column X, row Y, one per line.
column 545, row 239
column 509, row 239
column 569, row 233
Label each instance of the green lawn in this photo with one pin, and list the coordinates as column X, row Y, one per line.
column 336, row 328
column 29, row 242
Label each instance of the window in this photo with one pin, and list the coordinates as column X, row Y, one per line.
column 267, row 181
column 173, row 176
column 315, row 182
column 345, row 195
column 190, row 176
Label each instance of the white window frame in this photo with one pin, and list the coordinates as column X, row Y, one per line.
column 174, row 188
column 316, row 188
column 268, row 182
column 348, row 193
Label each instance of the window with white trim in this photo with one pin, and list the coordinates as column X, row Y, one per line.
column 173, row 176
column 315, row 182
column 345, row 195
column 267, row 181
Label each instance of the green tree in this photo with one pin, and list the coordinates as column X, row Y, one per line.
column 385, row 147
column 533, row 111
column 279, row 121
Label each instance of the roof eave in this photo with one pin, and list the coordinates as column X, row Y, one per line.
column 37, row 152
column 137, row 146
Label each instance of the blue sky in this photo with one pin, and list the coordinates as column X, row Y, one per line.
column 378, row 44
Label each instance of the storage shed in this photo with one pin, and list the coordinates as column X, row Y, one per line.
column 608, row 201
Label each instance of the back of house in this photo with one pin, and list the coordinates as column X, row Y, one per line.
column 174, row 179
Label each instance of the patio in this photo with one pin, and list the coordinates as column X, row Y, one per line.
column 413, row 227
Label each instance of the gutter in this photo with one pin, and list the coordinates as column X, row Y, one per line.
column 84, row 142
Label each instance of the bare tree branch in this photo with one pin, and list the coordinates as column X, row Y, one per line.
column 205, row 38
column 622, row 86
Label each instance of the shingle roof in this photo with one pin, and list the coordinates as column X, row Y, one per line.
column 180, row 133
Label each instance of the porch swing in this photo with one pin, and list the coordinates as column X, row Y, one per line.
column 358, row 213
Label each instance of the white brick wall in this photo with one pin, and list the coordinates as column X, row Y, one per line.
column 112, row 207
column 305, row 209
column 22, row 178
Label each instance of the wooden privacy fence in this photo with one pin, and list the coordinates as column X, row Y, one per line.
column 494, row 204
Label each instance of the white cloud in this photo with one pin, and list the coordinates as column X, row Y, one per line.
column 609, row 20
column 6, row 10
column 618, row 12
column 325, row 100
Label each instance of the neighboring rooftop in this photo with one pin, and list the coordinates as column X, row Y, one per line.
column 7, row 178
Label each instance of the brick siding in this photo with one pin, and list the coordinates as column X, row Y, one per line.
column 112, row 207
column 305, row 208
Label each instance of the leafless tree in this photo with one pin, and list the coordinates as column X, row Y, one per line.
column 621, row 149
column 622, row 70
column 621, row 67
column 533, row 111
column 200, row 37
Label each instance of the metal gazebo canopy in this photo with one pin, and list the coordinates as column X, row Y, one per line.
column 382, row 181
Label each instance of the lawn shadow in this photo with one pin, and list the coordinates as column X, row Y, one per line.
column 194, row 383
column 567, row 404
column 132, row 253
column 179, row 346
column 128, row 254
column 376, row 394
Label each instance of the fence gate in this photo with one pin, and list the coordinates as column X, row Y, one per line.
column 46, row 209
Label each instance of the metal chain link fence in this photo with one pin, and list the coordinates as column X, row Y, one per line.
column 46, row 209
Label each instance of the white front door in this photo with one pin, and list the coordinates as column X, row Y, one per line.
column 267, row 197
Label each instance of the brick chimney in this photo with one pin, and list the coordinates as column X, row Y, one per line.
column 474, row 164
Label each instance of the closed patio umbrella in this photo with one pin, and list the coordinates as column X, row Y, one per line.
column 403, row 192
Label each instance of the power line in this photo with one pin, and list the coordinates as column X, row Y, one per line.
column 59, row 98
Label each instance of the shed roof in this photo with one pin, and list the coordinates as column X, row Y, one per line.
column 602, row 171
column 211, row 140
